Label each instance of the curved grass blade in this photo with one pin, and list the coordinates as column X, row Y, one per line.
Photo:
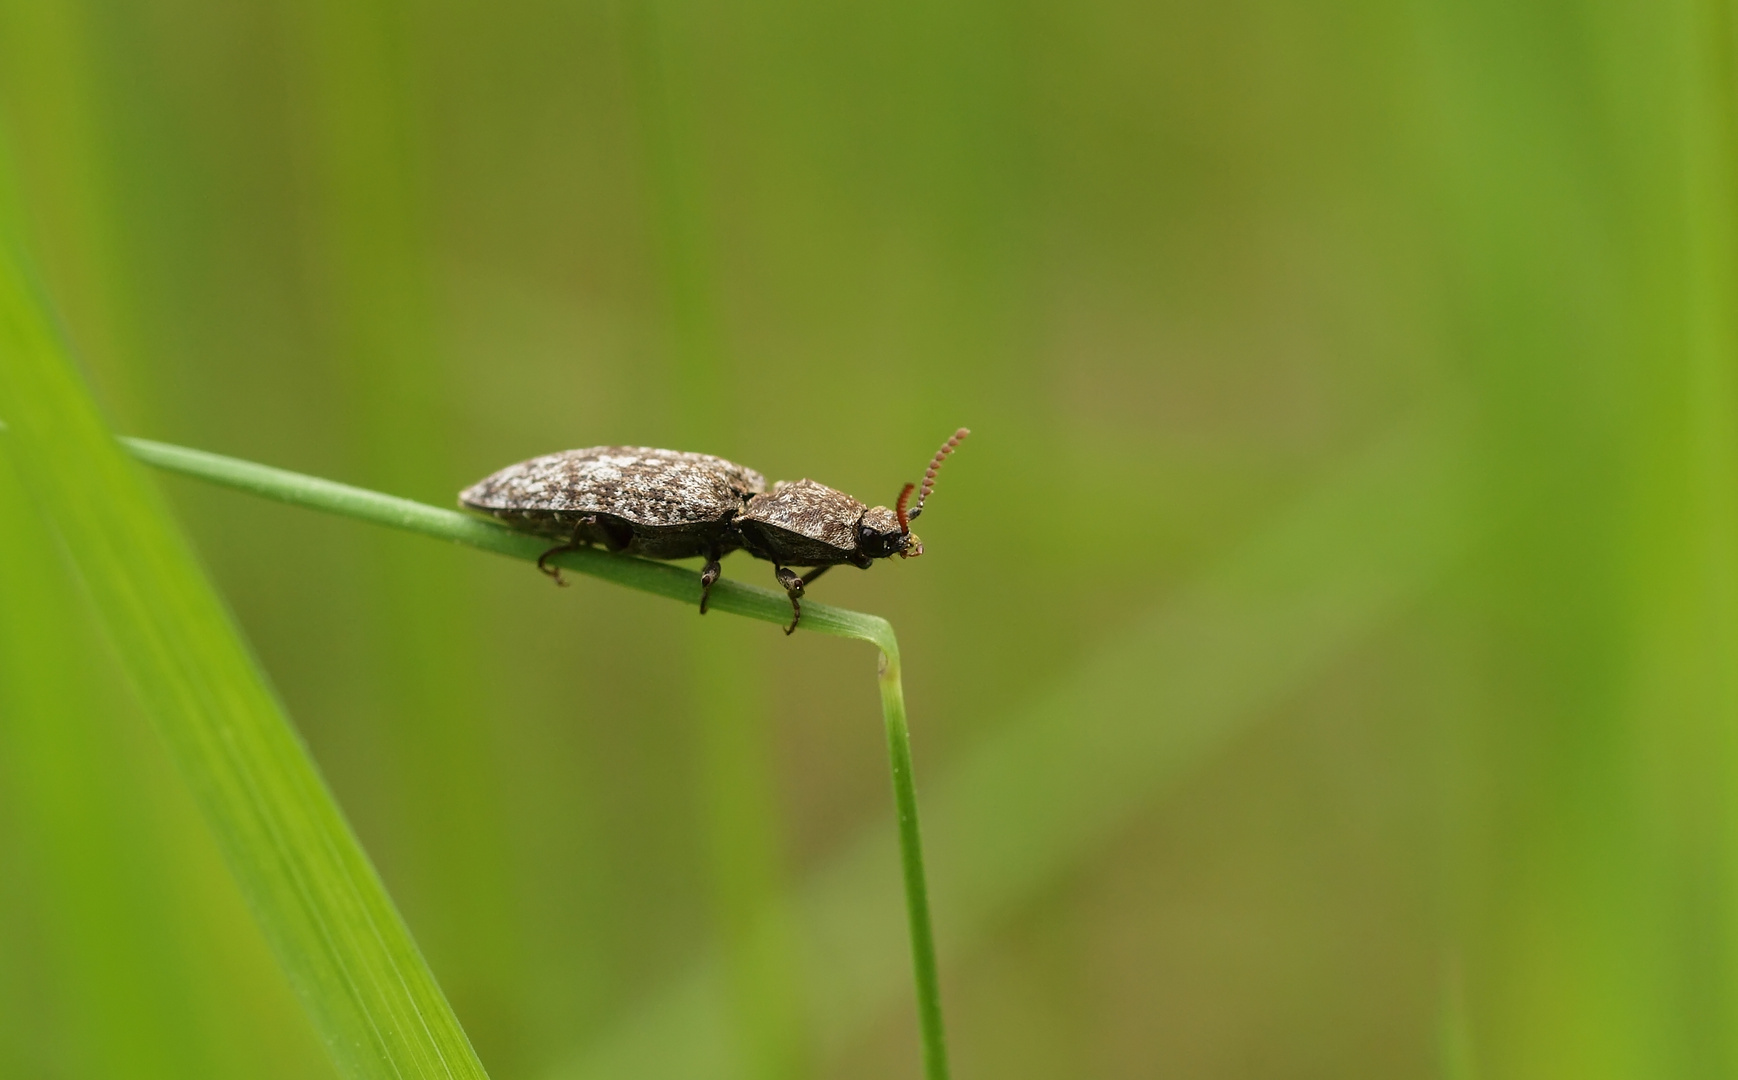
column 312, row 889
column 661, row 579
column 653, row 577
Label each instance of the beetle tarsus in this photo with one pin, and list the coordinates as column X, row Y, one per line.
column 554, row 571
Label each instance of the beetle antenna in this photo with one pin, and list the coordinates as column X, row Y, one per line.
column 899, row 510
column 935, row 467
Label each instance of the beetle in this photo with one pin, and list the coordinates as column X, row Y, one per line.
column 810, row 524
column 637, row 500
column 669, row 504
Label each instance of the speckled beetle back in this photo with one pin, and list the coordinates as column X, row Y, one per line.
column 641, row 485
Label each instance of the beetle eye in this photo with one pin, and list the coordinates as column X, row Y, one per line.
column 875, row 543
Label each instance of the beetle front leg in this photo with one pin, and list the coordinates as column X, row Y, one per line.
column 793, row 586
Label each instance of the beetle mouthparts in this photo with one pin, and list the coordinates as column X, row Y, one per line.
column 911, row 550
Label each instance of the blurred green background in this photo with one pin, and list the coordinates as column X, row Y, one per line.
column 1324, row 662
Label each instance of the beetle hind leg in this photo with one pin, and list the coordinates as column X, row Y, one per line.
column 573, row 544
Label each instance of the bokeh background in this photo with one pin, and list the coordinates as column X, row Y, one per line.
column 1324, row 662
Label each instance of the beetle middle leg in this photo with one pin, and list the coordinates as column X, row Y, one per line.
column 708, row 576
column 573, row 544
column 794, row 586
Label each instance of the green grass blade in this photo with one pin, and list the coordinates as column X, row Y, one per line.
column 110, row 870
column 109, row 992
column 312, row 889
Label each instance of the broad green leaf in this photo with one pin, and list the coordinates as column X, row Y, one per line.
column 316, row 896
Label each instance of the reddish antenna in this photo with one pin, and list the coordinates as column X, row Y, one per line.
column 934, row 467
column 899, row 510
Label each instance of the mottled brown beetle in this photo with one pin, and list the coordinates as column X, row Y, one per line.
column 666, row 504
column 663, row 504
column 812, row 525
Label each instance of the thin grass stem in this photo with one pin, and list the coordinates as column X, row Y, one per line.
column 911, row 857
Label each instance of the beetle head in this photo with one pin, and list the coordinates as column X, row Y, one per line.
column 881, row 534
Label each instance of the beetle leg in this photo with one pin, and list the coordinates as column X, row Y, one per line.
column 793, row 586
column 573, row 544
column 707, row 577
